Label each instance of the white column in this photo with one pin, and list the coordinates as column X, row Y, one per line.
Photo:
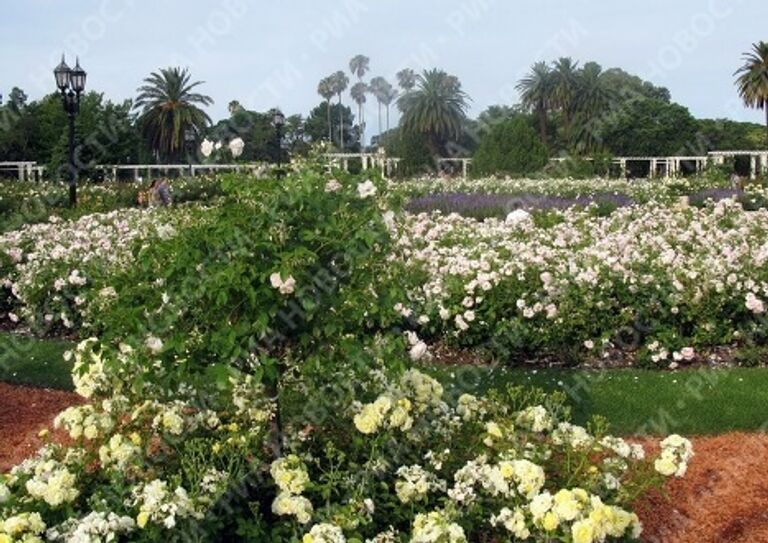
column 752, row 167
column 764, row 170
column 623, row 164
column 652, row 172
column 464, row 164
column 365, row 162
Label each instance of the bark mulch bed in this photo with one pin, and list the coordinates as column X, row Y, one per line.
column 723, row 498
column 24, row 411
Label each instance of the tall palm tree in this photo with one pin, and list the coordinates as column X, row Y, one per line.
column 752, row 80
column 359, row 66
column 378, row 88
column 593, row 96
column 388, row 95
column 358, row 92
column 339, row 83
column 436, row 107
column 169, row 107
column 406, row 78
column 565, row 85
column 536, row 91
column 326, row 90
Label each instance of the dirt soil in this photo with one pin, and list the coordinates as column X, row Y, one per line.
column 723, row 498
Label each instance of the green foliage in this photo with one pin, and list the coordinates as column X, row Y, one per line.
column 511, row 147
column 411, row 148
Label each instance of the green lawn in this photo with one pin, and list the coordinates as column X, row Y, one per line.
column 36, row 362
column 702, row 401
column 633, row 401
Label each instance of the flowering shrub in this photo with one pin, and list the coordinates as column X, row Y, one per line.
column 674, row 280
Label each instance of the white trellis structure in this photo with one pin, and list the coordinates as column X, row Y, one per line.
column 758, row 160
column 139, row 171
column 388, row 165
column 25, row 171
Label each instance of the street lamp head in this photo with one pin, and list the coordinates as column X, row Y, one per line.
column 278, row 119
column 77, row 76
column 63, row 75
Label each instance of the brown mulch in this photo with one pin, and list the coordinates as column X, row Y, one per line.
column 723, row 498
column 24, row 411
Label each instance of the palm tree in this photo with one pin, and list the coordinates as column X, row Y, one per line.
column 752, row 79
column 359, row 66
column 406, row 78
column 378, row 87
column 536, row 90
column 593, row 95
column 565, row 83
column 388, row 95
column 325, row 89
column 233, row 107
column 358, row 92
column 339, row 83
column 436, row 107
column 169, row 107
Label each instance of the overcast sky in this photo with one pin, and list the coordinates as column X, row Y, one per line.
column 272, row 53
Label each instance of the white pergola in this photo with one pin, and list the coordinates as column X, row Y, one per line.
column 26, row 171
column 758, row 160
column 368, row 160
column 192, row 169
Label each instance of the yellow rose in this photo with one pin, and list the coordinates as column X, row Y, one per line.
column 4, row 538
column 142, row 519
column 307, row 538
column 582, row 532
column 135, row 439
column 550, row 522
column 493, row 429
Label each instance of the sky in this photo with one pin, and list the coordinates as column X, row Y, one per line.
column 272, row 53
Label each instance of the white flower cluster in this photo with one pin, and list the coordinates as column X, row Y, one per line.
column 52, row 483
column 24, row 527
column 119, row 451
column 291, row 477
column 84, row 421
column 157, row 503
column 414, row 483
column 95, row 527
column 676, row 452
column 436, row 527
column 324, row 533
column 284, row 286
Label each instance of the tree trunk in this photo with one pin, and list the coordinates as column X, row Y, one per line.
column 341, row 125
column 328, row 110
column 379, row 123
column 543, row 125
column 766, row 125
column 387, row 118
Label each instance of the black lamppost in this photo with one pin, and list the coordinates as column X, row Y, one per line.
column 189, row 138
column 278, row 121
column 71, row 84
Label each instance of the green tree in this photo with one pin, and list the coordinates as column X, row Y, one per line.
column 407, row 79
column 169, row 106
column 339, row 83
column 593, row 96
column 358, row 93
column 511, row 147
column 650, row 127
column 537, row 93
column 378, row 88
column 565, row 81
column 752, row 80
column 326, row 91
column 314, row 125
column 436, row 107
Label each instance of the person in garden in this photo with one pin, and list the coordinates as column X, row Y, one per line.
column 159, row 193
